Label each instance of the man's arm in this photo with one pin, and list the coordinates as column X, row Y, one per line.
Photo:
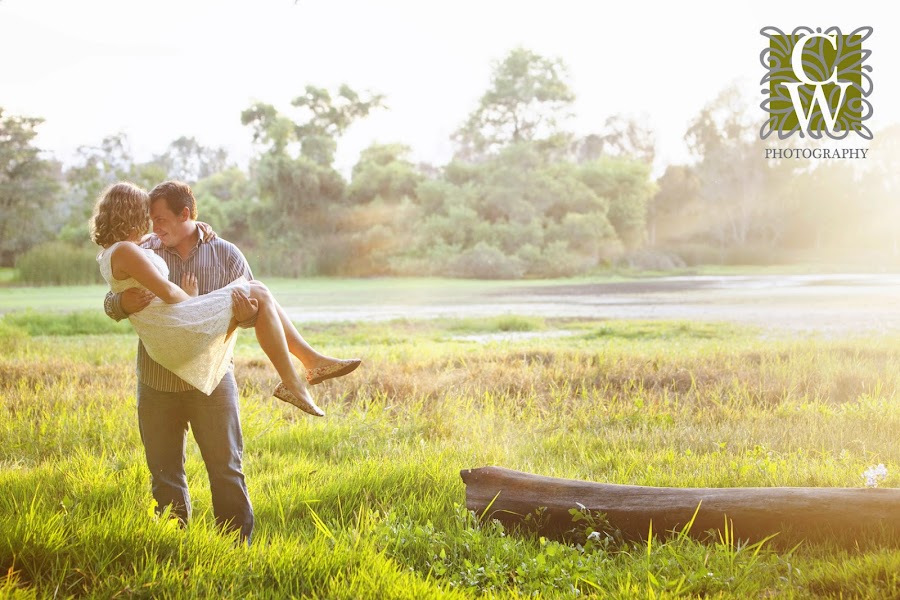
column 132, row 300
column 238, row 267
column 112, row 305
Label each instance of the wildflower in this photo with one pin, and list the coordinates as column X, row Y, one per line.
column 873, row 475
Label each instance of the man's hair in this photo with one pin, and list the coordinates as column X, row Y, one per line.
column 121, row 211
column 178, row 196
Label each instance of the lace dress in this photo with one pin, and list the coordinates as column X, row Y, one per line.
column 188, row 338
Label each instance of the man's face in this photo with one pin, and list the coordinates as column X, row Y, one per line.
column 169, row 227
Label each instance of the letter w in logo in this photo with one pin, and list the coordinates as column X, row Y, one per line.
column 818, row 97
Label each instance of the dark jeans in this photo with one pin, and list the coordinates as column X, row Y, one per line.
column 163, row 418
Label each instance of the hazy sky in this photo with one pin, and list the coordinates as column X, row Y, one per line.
column 162, row 69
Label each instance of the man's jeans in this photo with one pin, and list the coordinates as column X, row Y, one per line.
column 163, row 418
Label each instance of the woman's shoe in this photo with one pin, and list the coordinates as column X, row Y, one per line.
column 335, row 369
column 308, row 406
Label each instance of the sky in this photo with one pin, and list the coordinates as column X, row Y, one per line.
column 169, row 68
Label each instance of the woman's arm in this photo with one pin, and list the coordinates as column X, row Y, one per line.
column 128, row 260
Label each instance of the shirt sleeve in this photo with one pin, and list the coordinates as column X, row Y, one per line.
column 112, row 305
column 239, row 267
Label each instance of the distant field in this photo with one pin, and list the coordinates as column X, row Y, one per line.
column 834, row 304
column 317, row 290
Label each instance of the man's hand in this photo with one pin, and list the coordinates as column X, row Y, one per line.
column 189, row 284
column 207, row 230
column 135, row 300
column 243, row 306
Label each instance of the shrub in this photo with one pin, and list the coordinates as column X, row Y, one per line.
column 557, row 260
column 486, row 262
column 280, row 259
column 651, row 260
column 58, row 263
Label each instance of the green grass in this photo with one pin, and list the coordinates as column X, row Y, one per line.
column 290, row 292
column 322, row 291
column 368, row 502
column 83, row 322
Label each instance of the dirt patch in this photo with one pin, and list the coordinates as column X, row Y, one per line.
column 649, row 286
column 832, row 305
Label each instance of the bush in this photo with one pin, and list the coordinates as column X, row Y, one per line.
column 486, row 262
column 697, row 253
column 556, row 260
column 58, row 263
column 650, row 260
column 280, row 259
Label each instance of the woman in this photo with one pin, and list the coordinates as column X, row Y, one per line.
column 190, row 334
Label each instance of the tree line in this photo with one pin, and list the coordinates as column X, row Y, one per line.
column 522, row 196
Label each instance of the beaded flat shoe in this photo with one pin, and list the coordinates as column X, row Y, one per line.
column 335, row 369
column 308, row 406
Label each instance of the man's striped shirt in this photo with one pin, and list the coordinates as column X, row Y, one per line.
column 216, row 263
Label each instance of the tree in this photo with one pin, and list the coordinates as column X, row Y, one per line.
column 227, row 201
column 322, row 121
column 882, row 186
column 539, row 214
column 29, row 188
column 298, row 188
column 188, row 160
column 383, row 171
column 527, row 98
column 621, row 136
column 731, row 172
column 626, row 185
column 672, row 212
column 816, row 216
column 327, row 119
column 270, row 128
column 100, row 166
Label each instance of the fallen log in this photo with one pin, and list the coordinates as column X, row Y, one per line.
column 847, row 515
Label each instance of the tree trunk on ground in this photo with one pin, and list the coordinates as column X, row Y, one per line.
column 847, row 515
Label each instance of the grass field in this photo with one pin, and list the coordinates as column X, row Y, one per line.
column 368, row 502
column 313, row 290
column 371, row 291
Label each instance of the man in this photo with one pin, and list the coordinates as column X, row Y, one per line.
column 166, row 403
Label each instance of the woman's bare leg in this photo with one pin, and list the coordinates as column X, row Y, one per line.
column 297, row 346
column 271, row 336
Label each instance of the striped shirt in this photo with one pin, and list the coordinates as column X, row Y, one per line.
column 216, row 263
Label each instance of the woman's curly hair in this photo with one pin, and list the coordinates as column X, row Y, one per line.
column 122, row 210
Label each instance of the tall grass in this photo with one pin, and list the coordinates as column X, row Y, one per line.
column 58, row 263
column 368, row 502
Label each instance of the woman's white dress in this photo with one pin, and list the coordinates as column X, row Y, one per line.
column 188, row 338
